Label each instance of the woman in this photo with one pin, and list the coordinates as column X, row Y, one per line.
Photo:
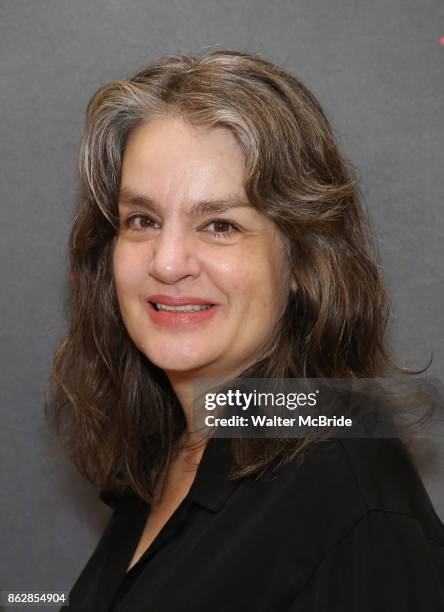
column 220, row 235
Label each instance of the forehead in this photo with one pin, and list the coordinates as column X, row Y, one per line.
column 171, row 158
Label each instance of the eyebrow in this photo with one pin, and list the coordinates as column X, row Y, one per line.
column 129, row 198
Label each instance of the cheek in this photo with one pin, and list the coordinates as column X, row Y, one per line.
column 267, row 284
column 127, row 270
column 249, row 280
column 225, row 273
column 252, row 290
column 237, row 279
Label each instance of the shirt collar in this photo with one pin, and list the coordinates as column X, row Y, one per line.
column 211, row 487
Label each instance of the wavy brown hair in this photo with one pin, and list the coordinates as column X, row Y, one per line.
column 114, row 410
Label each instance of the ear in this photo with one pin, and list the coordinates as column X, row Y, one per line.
column 293, row 285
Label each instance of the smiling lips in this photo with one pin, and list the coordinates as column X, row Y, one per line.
column 179, row 311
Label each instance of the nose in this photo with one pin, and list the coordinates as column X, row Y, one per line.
column 174, row 255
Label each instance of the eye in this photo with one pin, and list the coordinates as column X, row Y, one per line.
column 139, row 222
column 222, row 228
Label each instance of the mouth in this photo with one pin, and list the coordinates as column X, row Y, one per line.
column 184, row 312
column 188, row 308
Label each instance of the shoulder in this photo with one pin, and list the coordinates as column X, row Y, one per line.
column 339, row 481
column 385, row 561
column 388, row 480
column 371, row 534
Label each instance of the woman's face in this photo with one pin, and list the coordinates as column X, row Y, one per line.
column 190, row 244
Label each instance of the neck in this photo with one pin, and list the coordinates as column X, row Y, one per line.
column 185, row 388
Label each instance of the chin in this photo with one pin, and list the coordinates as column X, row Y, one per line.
column 178, row 363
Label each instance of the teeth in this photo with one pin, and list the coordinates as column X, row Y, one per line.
column 184, row 308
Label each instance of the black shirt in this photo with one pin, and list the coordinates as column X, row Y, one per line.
column 350, row 529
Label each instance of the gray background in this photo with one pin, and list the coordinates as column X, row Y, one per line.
column 377, row 69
